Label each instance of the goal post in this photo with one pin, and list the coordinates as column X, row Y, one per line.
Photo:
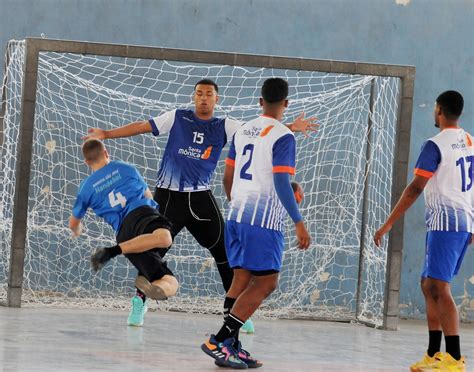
column 374, row 99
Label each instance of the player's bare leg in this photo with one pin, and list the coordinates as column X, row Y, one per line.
column 432, row 316
column 259, row 288
column 160, row 238
column 446, row 308
column 240, row 283
column 160, row 289
column 434, row 329
column 442, row 314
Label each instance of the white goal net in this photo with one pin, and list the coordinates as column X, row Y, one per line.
column 76, row 92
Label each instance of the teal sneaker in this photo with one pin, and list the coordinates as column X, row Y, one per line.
column 137, row 312
column 248, row 327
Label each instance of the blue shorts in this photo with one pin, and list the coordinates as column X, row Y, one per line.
column 444, row 253
column 253, row 248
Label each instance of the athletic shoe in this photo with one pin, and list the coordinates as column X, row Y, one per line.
column 224, row 353
column 248, row 327
column 150, row 290
column 99, row 258
column 446, row 363
column 137, row 312
column 426, row 363
column 245, row 357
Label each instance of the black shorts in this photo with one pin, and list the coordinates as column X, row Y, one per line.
column 145, row 220
column 197, row 211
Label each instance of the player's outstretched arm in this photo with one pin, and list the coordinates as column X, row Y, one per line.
column 409, row 196
column 304, row 125
column 75, row 225
column 132, row 129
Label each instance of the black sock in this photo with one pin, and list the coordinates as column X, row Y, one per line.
column 228, row 303
column 114, row 251
column 434, row 344
column 230, row 328
column 453, row 346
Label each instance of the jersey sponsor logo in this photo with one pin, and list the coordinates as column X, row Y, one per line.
column 207, row 153
column 266, row 130
column 468, row 140
column 458, row 146
column 253, row 132
column 187, row 119
column 107, row 181
column 461, row 144
column 195, row 153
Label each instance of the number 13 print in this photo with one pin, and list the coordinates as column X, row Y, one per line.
column 467, row 172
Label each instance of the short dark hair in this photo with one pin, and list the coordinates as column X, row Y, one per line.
column 93, row 150
column 451, row 103
column 274, row 90
column 207, row 82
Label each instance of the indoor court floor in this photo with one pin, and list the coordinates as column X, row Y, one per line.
column 52, row 339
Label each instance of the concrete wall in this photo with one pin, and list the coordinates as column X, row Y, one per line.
column 433, row 35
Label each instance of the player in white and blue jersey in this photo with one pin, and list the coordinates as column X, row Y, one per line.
column 195, row 141
column 445, row 171
column 257, row 182
column 116, row 192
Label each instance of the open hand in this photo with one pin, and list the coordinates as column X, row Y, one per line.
column 95, row 133
column 305, row 125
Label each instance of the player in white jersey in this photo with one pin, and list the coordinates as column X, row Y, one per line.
column 257, row 183
column 195, row 141
column 445, row 171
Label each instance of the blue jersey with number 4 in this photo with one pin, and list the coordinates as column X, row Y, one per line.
column 112, row 192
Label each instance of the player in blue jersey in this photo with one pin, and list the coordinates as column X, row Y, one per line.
column 116, row 192
column 257, row 183
column 196, row 139
column 445, row 172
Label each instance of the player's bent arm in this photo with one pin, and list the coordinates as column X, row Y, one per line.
column 287, row 197
column 75, row 226
column 409, row 196
column 228, row 179
column 132, row 129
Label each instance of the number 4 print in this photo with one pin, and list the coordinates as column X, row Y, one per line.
column 117, row 199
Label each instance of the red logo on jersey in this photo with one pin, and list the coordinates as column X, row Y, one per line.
column 207, row 153
column 266, row 130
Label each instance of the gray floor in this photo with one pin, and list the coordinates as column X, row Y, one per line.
column 51, row 339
